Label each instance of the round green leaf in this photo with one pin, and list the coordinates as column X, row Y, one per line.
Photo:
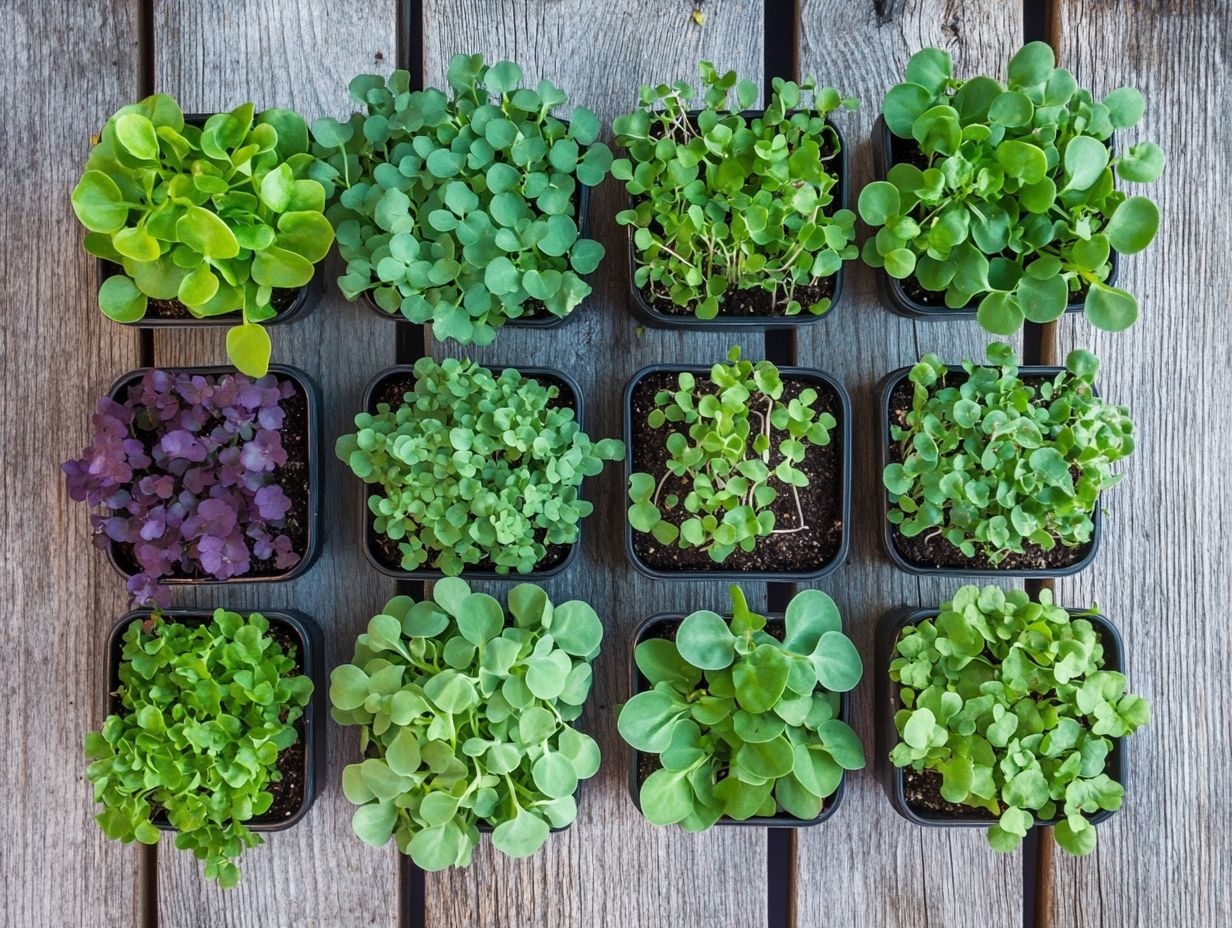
column 1042, row 300
column 205, row 233
column 576, row 628
column 136, row 133
column 760, row 678
column 809, row 615
column 646, row 721
column 1085, row 160
column 554, row 775
column 705, row 641
column 1110, row 308
column 248, row 347
column 1142, row 163
column 878, row 202
column 119, row 299
column 1133, row 225
column 842, row 743
column 837, row 662
column 98, row 203
column 999, row 313
column 666, row 797
column 374, row 823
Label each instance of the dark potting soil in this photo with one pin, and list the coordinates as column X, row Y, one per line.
column 752, row 302
column 922, row 791
column 755, row 301
column 821, row 500
column 393, row 390
column 292, row 762
column 933, row 550
column 649, row 763
column 292, row 476
column 280, row 299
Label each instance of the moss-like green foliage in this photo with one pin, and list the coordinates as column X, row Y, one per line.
column 205, row 710
column 475, row 467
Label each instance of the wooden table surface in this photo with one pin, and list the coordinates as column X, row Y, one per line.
column 1162, row 574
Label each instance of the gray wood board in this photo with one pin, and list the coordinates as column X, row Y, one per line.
column 298, row 55
column 1162, row 572
column 58, row 354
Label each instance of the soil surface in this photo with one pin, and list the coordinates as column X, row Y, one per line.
column 821, row 501
column 922, row 790
column 755, row 301
column 649, row 763
column 288, row 792
column 392, row 390
column 928, row 550
column 293, row 477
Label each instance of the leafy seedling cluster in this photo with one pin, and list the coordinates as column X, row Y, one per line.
column 464, row 716
column 216, row 216
column 724, row 202
column 728, row 440
column 992, row 463
column 745, row 722
column 462, row 210
column 1008, row 700
column 205, row 710
column 475, row 468
column 1012, row 203
column 187, row 468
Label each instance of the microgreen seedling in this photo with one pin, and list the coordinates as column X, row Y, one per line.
column 187, row 468
column 993, row 463
column 725, row 202
column 1013, row 204
column 1008, row 700
column 462, row 210
column 205, row 710
column 744, row 722
column 465, row 715
column 216, row 216
column 729, row 442
column 475, row 467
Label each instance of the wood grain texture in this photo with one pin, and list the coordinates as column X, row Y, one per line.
column 300, row 55
column 58, row 353
column 868, row 866
column 611, row 867
column 1162, row 574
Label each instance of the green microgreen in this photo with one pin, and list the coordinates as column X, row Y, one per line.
column 722, row 438
column 204, row 711
column 1008, row 700
column 1014, row 203
column 725, row 202
column 992, row 462
column 475, row 467
column 745, row 722
column 464, row 714
column 462, row 210
column 216, row 216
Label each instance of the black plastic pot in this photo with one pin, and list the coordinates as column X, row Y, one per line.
column 306, row 297
column 569, row 391
column 885, row 390
column 887, row 703
column 312, row 397
column 547, row 320
column 842, row 434
column 638, row 683
column 648, row 314
column 888, row 150
column 310, row 654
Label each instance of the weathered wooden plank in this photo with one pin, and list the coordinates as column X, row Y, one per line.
column 912, row 876
column 57, row 355
column 1162, row 574
column 298, row 55
column 610, row 867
